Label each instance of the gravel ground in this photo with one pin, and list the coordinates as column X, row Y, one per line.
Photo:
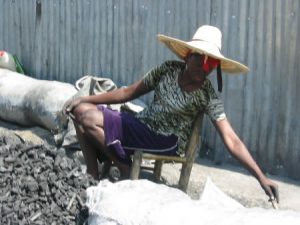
column 233, row 180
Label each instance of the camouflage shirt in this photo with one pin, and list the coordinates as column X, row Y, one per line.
column 173, row 110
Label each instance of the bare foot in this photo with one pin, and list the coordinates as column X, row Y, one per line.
column 105, row 169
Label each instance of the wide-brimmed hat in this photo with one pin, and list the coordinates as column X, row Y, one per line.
column 207, row 40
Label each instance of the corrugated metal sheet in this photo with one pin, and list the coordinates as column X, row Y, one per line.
column 64, row 40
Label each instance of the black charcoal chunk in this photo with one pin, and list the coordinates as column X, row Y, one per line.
column 37, row 184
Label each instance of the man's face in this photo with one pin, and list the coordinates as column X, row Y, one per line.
column 199, row 66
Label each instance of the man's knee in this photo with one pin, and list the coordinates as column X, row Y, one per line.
column 91, row 119
column 80, row 110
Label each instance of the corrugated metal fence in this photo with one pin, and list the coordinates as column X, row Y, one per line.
column 64, row 40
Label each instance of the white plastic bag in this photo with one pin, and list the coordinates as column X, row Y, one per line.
column 145, row 203
column 7, row 61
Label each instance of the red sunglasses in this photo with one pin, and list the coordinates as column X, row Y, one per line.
column 210, row 64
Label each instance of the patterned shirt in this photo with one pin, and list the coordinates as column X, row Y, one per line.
column 173, row 110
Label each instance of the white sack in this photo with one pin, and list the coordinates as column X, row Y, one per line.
column 142, row 202
column 28, row 101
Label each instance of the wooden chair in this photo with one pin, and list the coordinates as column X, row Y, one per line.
column 187, row 161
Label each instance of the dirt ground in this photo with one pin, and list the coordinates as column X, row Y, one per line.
column 237, row 183
column 234, row 181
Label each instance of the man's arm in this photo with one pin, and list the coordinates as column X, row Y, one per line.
column 120, row 95
column 237, row 148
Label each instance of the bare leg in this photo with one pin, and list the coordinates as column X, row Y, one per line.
column 89, row 152
column 90, row 133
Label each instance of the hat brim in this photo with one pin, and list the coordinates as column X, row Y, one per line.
column 182, row 48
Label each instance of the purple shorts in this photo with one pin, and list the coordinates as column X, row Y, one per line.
column 125, row 134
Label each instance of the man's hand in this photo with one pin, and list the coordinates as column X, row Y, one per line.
column 71, row 104
column 270, row 188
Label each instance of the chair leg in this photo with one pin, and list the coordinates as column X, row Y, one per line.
column 157, row 170
column 136, row 165
column 185, row 175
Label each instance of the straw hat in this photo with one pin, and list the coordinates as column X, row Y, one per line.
column 206, row 40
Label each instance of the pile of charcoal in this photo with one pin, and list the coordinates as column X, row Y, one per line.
column 40, row 185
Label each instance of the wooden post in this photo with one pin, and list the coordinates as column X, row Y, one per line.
column 157, row 170
column 136, row 165
column 191, row 150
